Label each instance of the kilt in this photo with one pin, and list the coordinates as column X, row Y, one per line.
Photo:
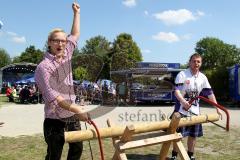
column 192, row 131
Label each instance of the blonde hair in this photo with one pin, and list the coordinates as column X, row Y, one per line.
column 55, row 30
column 50, row 35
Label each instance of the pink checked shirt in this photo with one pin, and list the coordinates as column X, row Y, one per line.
column 54, row 79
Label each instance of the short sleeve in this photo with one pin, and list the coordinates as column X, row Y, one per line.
column 179, row 81
column 206, row 84
column 206, row 87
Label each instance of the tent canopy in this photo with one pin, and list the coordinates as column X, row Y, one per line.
column 28, row 80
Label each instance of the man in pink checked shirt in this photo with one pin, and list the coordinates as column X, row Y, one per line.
column 54, row 79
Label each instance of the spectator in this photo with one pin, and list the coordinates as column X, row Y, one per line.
column 24, row 95
column 8, row 94
column 13, row 93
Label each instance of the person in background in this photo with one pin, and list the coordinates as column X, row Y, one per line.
column 54, row 79
column 189, row 84
column 13, row 93
column 8, row 94
column 24, row 95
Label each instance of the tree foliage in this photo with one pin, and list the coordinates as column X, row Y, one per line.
column 30, row 55
column 125, row 52
column 97, row 45
column 4, row 58
column 91, row 63
column 75, row 63
column 95, row 58
column 80, row 73
column 217, row 54
column 99, row 56
column 217, row 57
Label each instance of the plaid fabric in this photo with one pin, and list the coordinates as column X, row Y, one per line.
column 192, row 131
column 54, row 79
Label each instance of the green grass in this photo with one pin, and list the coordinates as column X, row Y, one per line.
column 3, row 100
column 216, row 144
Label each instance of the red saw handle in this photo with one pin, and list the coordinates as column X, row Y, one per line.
column 215, row 105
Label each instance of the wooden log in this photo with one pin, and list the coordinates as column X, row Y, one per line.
column 118, row 155
column 77, row 136
column 172, row 129
column 181, row 150
column 127, row 134
column 149, row 141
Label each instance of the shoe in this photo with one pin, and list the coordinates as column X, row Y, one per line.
column 173, row 158
column 192, row 158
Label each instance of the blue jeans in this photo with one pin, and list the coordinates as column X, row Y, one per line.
column 54, row 137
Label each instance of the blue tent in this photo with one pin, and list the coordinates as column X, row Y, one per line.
column 28, row 80
column 85, row 83
column 102, row 81
column 22, row 81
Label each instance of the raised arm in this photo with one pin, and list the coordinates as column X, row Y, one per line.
column 75, row 32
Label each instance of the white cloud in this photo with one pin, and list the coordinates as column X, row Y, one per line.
column 129, row 3
column 166, row 37
column 146, row 51
column 146, row 13
column 11, row 33
column 17, row 39
column 1, row 24
column 200, row 13
column 14, row 37
column 175, row 17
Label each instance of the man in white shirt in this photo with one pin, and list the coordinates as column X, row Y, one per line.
column 189, row 84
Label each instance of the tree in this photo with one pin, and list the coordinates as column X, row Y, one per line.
column 125, row 52
column 216, row 53
column 5, row 58
column 30, row 55
column 96, row 58
column 97, row 45
column 99, row 56
column 91, row 63
column 80, row 73
column 75, row 62
column 217, row 57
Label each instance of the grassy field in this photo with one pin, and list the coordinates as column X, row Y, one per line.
column 215, row 145
column 3, row 100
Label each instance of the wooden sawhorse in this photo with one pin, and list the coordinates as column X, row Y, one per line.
column 129, row 141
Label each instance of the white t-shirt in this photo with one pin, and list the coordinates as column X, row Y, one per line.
column 190, row 86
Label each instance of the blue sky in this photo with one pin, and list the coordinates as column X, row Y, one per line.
column 165, row 30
